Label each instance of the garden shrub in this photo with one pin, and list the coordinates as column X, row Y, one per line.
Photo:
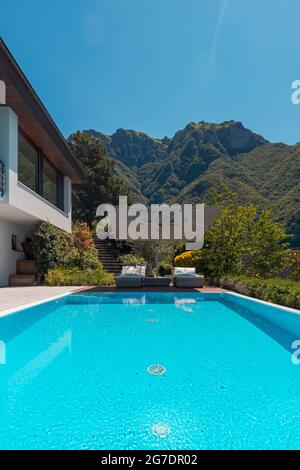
column 82, row 236
column 83, row 260
column 179, row 249
column 83, row 254
column 55, row 248
column 74, row 276
column 164, row 269
column 295, row 272
column 278, row 291
column 296, row 275
column 132, row 260
column 193, row 259
column 52, row 247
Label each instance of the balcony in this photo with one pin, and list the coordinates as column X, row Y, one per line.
column 2, row 179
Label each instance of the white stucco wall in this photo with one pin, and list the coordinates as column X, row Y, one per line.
column 38, row 208
column 16, row 194
column 8, row 257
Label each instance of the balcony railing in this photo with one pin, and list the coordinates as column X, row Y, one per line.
column 2, row 179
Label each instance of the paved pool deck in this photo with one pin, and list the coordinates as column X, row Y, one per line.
column 16, row 297
column 13, row 297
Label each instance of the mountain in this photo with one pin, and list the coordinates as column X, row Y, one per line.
column 132, row 148
column 204, row 155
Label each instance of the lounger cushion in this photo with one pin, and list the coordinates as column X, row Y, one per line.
column 141, row 270
column 178, row 270
column 137, row 270
column 129, row 270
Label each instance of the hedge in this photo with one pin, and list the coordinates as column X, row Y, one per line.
column 56, row 248
column 278, row 291
column 67, row 276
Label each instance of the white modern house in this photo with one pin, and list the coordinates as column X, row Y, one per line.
column 36, row 166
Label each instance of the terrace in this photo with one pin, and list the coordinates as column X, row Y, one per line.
column 19, row 297
column 22, row 297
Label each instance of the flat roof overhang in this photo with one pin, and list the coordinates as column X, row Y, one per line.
column 33, row 117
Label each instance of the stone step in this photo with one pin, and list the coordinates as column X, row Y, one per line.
column 113, row 271
column 111, row 268
column 25, row 266
column 21, row 280
column 106, row 255
column 103, row 261
column 108, row 259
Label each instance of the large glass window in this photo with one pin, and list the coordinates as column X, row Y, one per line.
column 38, row 173
column 28, row 164
column 50, row 182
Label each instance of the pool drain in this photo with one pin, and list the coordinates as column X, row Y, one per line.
column 161, row 430
column 224, row 387
column 156, row 369
column 152, row 320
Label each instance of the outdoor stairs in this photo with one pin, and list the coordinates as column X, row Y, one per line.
column 107, row 257
column 26, row 274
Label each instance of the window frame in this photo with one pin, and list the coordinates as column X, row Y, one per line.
column 41, row 157
column 38, row 151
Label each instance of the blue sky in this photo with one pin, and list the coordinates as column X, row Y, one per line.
column 155, row 65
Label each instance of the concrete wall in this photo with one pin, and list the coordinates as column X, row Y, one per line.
column 16, row 194
column 38, row 208
column 8, row 257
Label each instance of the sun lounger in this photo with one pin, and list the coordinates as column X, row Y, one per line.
column 187, row 277
column 131, row 276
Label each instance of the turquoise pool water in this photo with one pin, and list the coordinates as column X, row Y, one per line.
column 74, row 374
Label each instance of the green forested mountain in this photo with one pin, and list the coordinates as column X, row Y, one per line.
column 205, row 155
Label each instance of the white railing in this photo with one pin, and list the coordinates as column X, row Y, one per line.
column 2, row 179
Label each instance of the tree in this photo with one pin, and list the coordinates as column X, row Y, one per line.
column 267, row 253
column 100, row 184
column 241, row 241
column 155, row 253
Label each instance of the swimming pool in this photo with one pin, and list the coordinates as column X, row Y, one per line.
column 75, row 373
